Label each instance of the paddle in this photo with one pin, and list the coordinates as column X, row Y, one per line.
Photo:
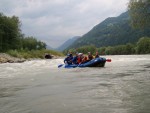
column 60, row 65
column 78, row 65
column 108, row 60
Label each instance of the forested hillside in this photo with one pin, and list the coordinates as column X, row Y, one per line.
column 112, row 31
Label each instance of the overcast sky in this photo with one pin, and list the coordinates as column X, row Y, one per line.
column 55, row 21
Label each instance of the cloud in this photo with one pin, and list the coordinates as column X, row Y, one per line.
column 55, row 21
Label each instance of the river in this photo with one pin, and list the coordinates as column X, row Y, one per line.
column 38, row 86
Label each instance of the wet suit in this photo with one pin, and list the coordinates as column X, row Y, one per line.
column 68, row 60
column 75, row 60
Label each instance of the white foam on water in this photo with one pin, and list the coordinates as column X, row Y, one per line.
column 9, row 70
column 129, row 58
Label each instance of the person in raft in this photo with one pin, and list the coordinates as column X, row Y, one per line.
column 68, row 59
column 81, row 58
column 71, row 55
column 97, row 55
column 75, row 59
column 90, row 56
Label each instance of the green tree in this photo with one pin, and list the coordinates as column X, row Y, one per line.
column 130, row 49
column 9, row 32
column 108, row 50
column 11, row 37
column 101, row 50
column 143, row 46
column 139, row 11
column 40, row 45
column 31, row 43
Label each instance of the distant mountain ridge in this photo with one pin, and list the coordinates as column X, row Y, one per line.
column 49, row 47
column 67, row 43
column 112, row 31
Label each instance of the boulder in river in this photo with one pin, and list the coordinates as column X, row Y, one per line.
column 48, row 56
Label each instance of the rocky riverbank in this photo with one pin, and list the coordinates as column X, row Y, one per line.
column 5, row 58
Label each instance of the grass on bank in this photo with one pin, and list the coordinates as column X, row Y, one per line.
column 33, row 53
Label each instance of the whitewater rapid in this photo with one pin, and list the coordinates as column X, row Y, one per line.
column 9, row 70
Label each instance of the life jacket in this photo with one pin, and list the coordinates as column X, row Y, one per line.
column 84, row 59
column 90, row 57
column 79, row 60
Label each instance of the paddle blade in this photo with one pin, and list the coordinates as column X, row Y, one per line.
column 108, row 60
column 60, row 65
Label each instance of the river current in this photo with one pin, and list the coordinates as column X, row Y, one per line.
column 38, row 86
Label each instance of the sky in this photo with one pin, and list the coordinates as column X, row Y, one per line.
column 55, row 21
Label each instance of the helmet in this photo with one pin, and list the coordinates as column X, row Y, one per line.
column 80, row 54
column 70, row 55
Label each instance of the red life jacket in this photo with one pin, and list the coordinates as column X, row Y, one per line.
column 79, row 60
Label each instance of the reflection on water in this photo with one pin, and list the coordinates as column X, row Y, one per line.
column 122, row 86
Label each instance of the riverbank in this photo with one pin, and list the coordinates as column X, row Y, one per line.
column 6, row 58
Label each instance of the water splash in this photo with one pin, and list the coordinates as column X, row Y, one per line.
column 9, row 70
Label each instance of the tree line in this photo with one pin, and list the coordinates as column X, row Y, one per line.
column 11, row 37
column 141, row 47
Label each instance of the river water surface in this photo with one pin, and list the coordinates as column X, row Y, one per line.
column 122, row 86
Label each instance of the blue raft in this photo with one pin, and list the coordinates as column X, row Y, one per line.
column 97, row 62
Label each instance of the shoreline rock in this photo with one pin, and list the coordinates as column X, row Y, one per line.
column 51, row 56
column 5, row 58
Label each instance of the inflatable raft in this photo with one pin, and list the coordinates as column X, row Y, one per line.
column 97, row 62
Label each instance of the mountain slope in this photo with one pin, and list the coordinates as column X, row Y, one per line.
column 112, row 31
column 49, row 47
column 67, row 43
